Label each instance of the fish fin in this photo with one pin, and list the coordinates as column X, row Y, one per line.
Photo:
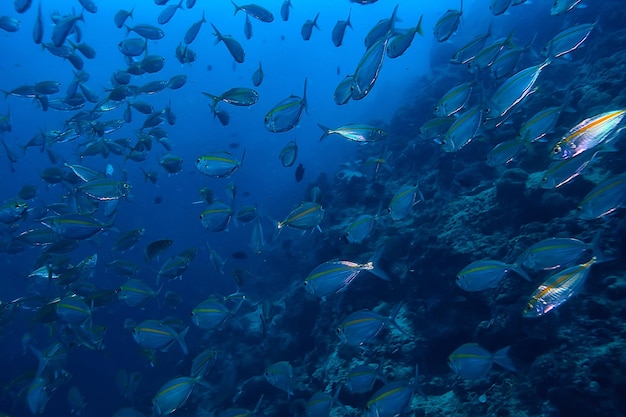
column 237, row 8
column 326, row 131
column 374, row 262
column 418, row 28
column 502, row 358
column 304, row 102
column 181, row 340
column 519, row 271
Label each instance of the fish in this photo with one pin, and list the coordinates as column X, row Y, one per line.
column 391, row 400
column 257, row 76
column 403, row 201
column 485, row 274
column 73, row 309
column 247, row 214
column 320, row 404
column 560, row 7
column 238, row 96
column 307, row 215
column 217, row 216
column 360, row 228
column 234, row 48
column 166, row 15
column 343, row 92
column 557, row 289
column 472, row 361
column 105, row 189
column 219, row 164
column 37, row 395
column 174, row 267
column 177, row 81
column 467, row 52
column 89, row 5
column 604, row 199
column 289, row 154
column 173, row 395
column 498, row 7
column 505, row 152
column 63, row 28
column 123, row 268
column 507, row 61
column 340, row 29
column 194, row 29
column 400, row 43
column 203, row 362
column 360, row 379
column 171, row 163
column 121, row 15
column 146, row 31
column 447, row 24
column 454, row 100
column 381, row 30
column 128, row 240
column 257, row 241
column 247, row 28
column 12, row 211
column 537, row 127
column 155, row 248
column 568, row 40
column 588, row 134
column 74, row 226
column 362, row 326
column 22, row 6
column 284, row 10
column 280, row 375
column 216, row 260
column 333, row 277
column 156, row 335
column 210, row 314
column 561, row 172
column 75, row 399
column 38, row 26
column 435, row 128
column 256, row 11
column 355, row 132
column 513, row 92
column 367, row 70
column 485, row 58
column 299, row 172
column 307, row 27
column 555, row 252
column 285, row 115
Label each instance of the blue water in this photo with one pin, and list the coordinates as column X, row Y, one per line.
column 423, row 251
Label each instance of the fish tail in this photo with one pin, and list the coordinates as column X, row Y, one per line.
column 519, row 271
column 596, row 251
column 217, row 34
column 418, row 29
column 237, row 8
column 128, row 29
column 203, row 19
column 304, row 102
column 376, row 270
column 502, row 358
column 314, row 20
column 326, row 131
column 348, row 21
column 392, row 319
column 181, row 340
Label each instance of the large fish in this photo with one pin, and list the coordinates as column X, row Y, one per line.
column 234, row 47
column 368, row 69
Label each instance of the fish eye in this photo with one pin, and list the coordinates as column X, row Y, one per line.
column 339, row 330
column 306, row 283
column 556, row 149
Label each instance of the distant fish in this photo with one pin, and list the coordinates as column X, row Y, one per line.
column 340, row 29
column 247, row 28
column 234, row 47
column 38, row 26
column 568, row 40
column 238, row 96
column 472, row 361
column 280, row 375
column 364, row 1
column 155, row 248
column 166, row 15
column 146, row 31
column 121, row 16
column 381, row 30
column 257, row 76
column 89, row 5
column 193, row 30
column 255, row 11
column 485, row 274
column 355, row 132
column 219, row 164
column 286, row 114
column 604, row 199
column 299, row 172
column 284, row 10
column 307, row 27
column 11, row 24
column 563, row 6
column 400, row 43
column 289, row 154
column 447, row 24
column 498, row 7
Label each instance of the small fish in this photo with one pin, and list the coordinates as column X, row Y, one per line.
column 171, row 163
column 485, row 274
column 121, row 16
column 447, row 24
column 361, row 379
column 467, row 52
column 557, row 289
column 105, row 189
column 210, row 314
column 340, row 29
column 193, row 30
column 173, row 267
column 247, row 214
column 89, row 5
column 560, row 7
column 238, row 96
column 177, row 81
column 392, row 399
column 257, row 76
column 454, row 100
column 166, row 15
column 255, row 11
column 360, row 228
column 305, row 216
column 362, row 326
column 320, row 404
column 155, row 248
column 219, row 164
column 561, row 172
column 472, row 361
column 289, row 154
column 257, row 241
column 128, row 240
column 299, row 172
column 217, row 216
column 146, row 31
column 568, row 40
column 435, row 128
column 234, row 47
column 247, row 28
column 403, row 201
column 505, row 152
column 76, row 400
column 355, row 132
column 307, row 27
column 123, row 268
column 280, row 375
column 37, row 395
column 63, row 28
column 381, row 30
column 284, row 10
column 498, row 7
column 367, row 70
column 553, row 253
column 400, row 43
column 12, row 211
column 38, row 26
column 73, row 309
column 343, row 92
column 588, row 134
column 156, row 335
column 173, row 395
column 604, row 199
column 333, row 277
column 74, row 226
column 286, row 114
column 203, row 362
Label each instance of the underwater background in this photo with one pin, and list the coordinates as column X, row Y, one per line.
column 168, row 214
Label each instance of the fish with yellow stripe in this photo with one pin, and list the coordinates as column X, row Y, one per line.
column 393, row 398
column 174, row 394
column 485, row 274
column 604, row 199
column 588, row 134
column 156, row 335
column 307, row 215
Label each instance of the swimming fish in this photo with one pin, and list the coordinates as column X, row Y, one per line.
column 447, row 24
column 472, row 361
column 355, row 132
column 367, row 70
column 289, row 154
column 219, row 164
column 234, row 47
column 340, row 29
column 485, row 274
column 286, row 114
column 307, row 27
column 156, row 335
column 604, row 199
column 401, row 42
column 306, row 216
column 280, row 375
